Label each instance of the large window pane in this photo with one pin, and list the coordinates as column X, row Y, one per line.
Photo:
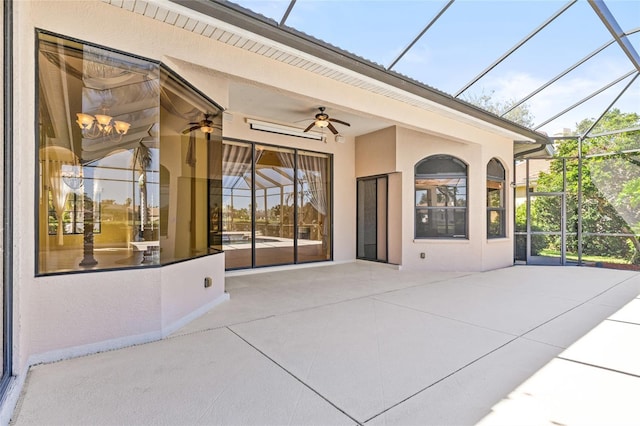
column 190, row 164
column 236, row 204
column 129, row 161
column 98, row 115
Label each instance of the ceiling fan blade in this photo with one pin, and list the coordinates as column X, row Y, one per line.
column 191, row 129
column 333, row 129
column 335, row 120
column 310, row 126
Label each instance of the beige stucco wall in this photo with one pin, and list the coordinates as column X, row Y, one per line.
column 72, row 314
column 376, row 153
column 398, row 149
column 475, row 253
column 395, row 210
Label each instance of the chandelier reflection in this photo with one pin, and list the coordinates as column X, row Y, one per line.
column 101, row 126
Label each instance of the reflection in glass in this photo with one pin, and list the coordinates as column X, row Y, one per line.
column 124, row 175
column 97, row 193
column 236, row 204
column 314, row 221
column 441, row 197
column 190, row 159
column 496, row 220
column 275, row 198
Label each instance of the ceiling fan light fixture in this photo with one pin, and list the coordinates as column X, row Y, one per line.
column 206, row 129
column 322, row 123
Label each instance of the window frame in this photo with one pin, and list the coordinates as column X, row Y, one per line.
column 455, row 209
column 502, row 209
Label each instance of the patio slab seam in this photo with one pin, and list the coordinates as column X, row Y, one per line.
column 306, row 308
column 294, row 376
column 441, row 379
column 588, row 364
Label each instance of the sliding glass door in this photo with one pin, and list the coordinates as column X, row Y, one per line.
column 276, row 205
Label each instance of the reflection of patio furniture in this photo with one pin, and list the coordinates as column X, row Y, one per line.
column 234, row 237
column 304, row 232
column 148, row 251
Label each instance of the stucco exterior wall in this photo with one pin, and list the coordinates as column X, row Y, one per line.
column 71, row 314
column 395, row 213
column 376, row 153
column 475, row 253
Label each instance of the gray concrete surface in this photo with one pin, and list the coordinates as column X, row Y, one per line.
column 364, row 343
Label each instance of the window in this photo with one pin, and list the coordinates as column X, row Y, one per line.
column 441, row 197
column 495, row 199
column 127, row 152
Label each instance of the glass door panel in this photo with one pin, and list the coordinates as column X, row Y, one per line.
column 314, row 208
column 274, row 198
column 236, row 204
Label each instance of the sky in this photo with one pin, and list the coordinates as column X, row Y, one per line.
column 472, row 34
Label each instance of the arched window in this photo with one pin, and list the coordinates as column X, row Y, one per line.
column 495, row 199
column 441, row 197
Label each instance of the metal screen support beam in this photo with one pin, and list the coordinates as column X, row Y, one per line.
column 563, row 73
column 580, row 139
column 514, row 48
column 557, row 77
column 586, row 98
column 419, row 36
column 614, row 28
column 286, row 14
column 622, row 92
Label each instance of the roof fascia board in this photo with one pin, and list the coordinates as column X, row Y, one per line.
column 256, row 24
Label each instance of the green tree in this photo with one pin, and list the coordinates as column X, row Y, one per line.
column 521, row 114
column 610, row 187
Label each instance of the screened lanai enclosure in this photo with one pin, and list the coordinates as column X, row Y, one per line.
column 581, row 209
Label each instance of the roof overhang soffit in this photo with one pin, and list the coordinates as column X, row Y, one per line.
column 242, row 29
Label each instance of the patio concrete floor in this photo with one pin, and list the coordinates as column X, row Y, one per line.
column 365, row 343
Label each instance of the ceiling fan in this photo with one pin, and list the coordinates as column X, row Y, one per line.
column 205, row 125
column 323, row 120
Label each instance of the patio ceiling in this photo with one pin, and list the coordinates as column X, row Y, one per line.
column 563, row 60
